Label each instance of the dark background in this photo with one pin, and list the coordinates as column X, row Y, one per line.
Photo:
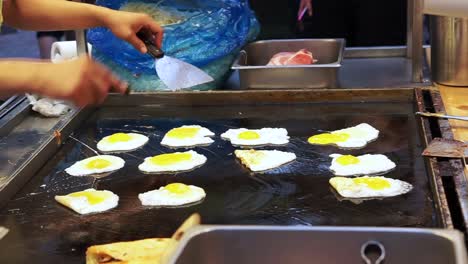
column 361, row 22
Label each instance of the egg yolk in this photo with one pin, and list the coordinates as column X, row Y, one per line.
column 119, row 137
column 328, row 138
column 183, row 132
column 98, row 164
column 347, row 160
column 177, row 188
column 373, row 183
column 93, row 197
column 171, row 158
column 248, row 135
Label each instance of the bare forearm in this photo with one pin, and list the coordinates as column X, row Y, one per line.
column 53, row 14
column 18, row 76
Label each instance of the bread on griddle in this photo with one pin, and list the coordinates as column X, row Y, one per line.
column 151, row 250
column 133, row 252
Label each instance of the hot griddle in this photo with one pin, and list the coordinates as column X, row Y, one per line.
column 295, row 194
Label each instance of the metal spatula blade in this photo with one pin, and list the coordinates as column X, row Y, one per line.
column 177, row 74
column 174, row 73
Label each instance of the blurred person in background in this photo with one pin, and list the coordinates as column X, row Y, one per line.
column 278, row 19
column 360, row 22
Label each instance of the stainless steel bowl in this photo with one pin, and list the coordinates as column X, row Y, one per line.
column 255, row 74
column 301, row 245
column 449, row 50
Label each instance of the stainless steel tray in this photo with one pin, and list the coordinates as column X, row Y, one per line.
column 254, row 74
column 301, row 245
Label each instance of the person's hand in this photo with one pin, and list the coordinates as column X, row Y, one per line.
column 303, row 4
column 82, row 81
column 125, row 25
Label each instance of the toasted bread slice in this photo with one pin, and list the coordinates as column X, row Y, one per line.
column 152, row 250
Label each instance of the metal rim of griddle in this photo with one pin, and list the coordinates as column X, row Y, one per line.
column 431, row 101
column 12, row 111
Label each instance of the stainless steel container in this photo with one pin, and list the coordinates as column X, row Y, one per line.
column 301, row 245
column 254, row 74
column 449, row 50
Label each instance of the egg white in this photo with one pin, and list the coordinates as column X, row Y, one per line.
column 81, row 204
column 136, row 141
column 201, row 138
column 196, row 161
column 261, row 160
column 368, row 164
column 79, row 168
column 162, row 197
column 268, row 136
column 347, row 188
column 360, row 136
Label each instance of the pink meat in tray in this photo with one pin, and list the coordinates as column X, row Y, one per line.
column 302, row 57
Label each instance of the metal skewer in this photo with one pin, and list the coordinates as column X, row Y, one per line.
column 439, row 115
column 84, row 144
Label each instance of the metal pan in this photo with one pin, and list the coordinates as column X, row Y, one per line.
column 301, row 245
column 255, row 74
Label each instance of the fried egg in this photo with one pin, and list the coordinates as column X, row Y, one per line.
column 351, row 137
column 171, row 162
column 349, row 165
column 256, row 137
column 95, row 165
column 260, row 160
column 89, row 201
column 121, row 142
column 174, row 194
column 366, row 187
column 187, row 136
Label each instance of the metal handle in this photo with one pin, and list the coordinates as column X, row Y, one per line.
column 243, row 56
column 373, row 247
column 439, row 115
column 81, row 40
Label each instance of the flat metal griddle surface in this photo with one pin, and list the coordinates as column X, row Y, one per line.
column 294, row 194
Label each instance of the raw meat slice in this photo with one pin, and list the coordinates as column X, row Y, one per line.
column 280, row 58
column 302, row 57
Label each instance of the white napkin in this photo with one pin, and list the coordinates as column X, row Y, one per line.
column 49, row 107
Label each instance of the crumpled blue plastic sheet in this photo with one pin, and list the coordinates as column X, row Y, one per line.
column 209, row 36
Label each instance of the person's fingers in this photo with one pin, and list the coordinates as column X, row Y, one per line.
column 81, row 92
column 102, row 81
column 117, row 85
column 157, row 31
column 301, row 7
column 81, row 99
column 97, row 83
column 87, row 92
column 137, row 43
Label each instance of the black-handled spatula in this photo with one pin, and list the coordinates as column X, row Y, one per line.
column 174, row 73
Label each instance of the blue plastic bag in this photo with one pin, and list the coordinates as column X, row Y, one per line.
column 209, row 34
